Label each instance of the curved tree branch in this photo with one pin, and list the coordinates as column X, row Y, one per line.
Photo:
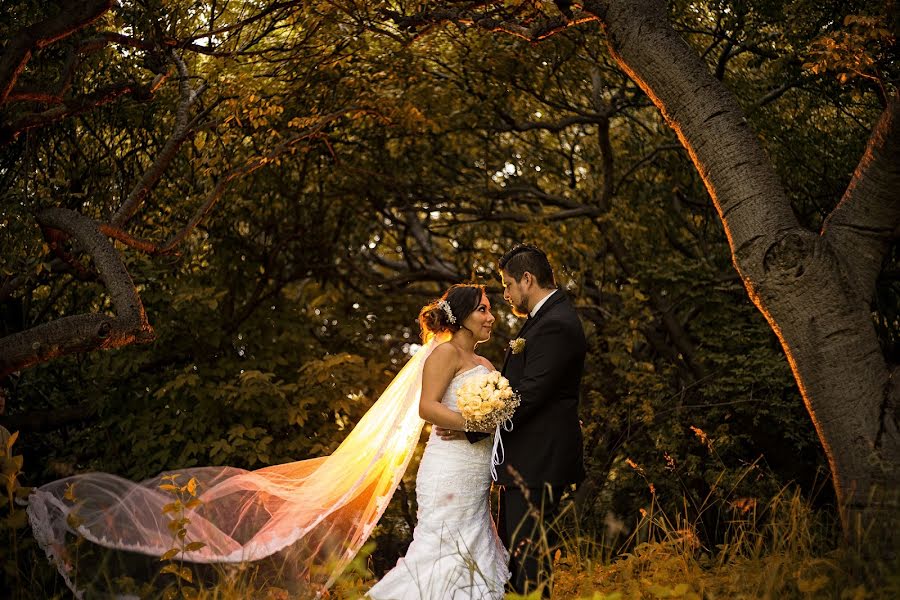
column 70, row 107
column 39, row 35
column 180, row 133
column 84, row 332
column 862, row 227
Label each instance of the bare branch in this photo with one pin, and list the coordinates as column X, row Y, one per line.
column 39, row 35
column 490, row 17
column 554, row 126
column 34, row 96
column 771, row 96
column 606, row 151
column 81, row 333
column 179, row 134
column 129, row 240
column 245, row 169
column 68, row 108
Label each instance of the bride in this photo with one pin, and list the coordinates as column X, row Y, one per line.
column 455, row 552
column 300, row 524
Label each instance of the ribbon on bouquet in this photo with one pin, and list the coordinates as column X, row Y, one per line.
column 498, row 455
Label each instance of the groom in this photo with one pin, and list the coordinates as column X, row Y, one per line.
column 544, row 455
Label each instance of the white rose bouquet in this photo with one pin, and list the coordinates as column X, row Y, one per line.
column 486, row 401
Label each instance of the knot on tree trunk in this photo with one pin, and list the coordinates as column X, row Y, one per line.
column 103, row 330
column 786, row 258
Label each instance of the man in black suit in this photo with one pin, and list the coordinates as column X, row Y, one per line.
column 543, row 452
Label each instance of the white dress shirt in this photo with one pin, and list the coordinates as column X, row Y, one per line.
column 540, row 303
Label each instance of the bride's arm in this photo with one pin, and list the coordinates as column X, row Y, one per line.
column 439, row 370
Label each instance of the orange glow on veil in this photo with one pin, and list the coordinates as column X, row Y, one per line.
column 307, row 518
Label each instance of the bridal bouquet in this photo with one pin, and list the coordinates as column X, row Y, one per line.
column 486, row 401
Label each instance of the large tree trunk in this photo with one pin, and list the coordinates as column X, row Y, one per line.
column 814, row 289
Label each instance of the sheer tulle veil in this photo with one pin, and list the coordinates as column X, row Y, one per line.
column 310, row 517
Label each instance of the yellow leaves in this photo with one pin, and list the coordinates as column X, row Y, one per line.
column 73, row 520
column 169, row 555
column 10, row 441
column 179, row 571
column 853, row 51
column 857, row 593
column 680, row 590
column 813, row 585
column 303, row 122
column 70, row 492
column 252, row 377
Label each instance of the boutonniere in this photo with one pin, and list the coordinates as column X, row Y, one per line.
column 517, row 345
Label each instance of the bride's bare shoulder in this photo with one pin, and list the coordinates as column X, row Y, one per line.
column 485, row 362
column 446, row 355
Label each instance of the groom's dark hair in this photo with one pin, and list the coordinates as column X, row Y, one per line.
column 532, row 259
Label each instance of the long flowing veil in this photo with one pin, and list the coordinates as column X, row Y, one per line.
column 312, row 516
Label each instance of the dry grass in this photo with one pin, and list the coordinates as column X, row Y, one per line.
column 783, row 551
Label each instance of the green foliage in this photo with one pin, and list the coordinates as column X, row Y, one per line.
column 287, row 311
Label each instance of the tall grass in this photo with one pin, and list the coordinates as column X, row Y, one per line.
column 781, row 549
column 784, row 549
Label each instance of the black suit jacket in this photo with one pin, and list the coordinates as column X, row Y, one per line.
column 545, row 445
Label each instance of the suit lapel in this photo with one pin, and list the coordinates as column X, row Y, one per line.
column 557, row 297
column 552, row 301
column 509, row 348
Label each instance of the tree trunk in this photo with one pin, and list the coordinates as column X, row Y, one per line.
column 814, row 290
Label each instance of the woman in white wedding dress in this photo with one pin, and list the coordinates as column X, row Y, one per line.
column 456, row 552
column 300, row 524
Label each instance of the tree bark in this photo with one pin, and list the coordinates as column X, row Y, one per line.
column 814, row 290
column 23, row 44
column 85, row 332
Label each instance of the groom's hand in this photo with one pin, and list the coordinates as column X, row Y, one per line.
column 448, row 434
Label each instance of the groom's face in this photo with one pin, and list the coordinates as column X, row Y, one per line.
column 514, row 294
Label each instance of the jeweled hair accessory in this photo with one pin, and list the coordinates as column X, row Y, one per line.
column 445, row 306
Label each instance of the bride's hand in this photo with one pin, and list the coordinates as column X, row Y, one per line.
column 449, row 434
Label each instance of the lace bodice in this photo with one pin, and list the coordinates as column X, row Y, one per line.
column 449, row 399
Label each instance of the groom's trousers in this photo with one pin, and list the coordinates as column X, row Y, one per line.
column 525, row 523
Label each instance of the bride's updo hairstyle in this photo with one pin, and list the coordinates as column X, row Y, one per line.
column 462, row 298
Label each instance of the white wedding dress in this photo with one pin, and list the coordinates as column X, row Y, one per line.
column 299, row 524
column 456, row 553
